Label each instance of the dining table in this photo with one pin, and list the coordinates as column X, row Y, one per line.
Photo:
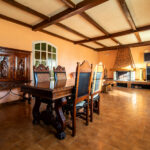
column 54, row 95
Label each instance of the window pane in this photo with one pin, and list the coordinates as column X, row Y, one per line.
column 52, row 73
column 53, row 49
column 37, row 62
column 37, row 46
column 44, row 63
column 37, row 55
column 49, row 56
column 49, row 48
column 53, row 63
column 54, row 56
column 49, row 63
column 43, row 46
column 43, row 55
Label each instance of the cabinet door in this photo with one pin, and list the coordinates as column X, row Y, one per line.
column 6, row 67
column 22, row 68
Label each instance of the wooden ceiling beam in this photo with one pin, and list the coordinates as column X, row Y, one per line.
column 140, row 29
column 88, row 47
column 56, row 35
column 128, row 17
column 15, row 21
column 69, row 3
column 124, row 46
column 25, row 8
column 95, row 24
column 30, row 26
column 82, row 6
column 77, row 33
column 90, row 20
column 70, row 30
column 43, row 31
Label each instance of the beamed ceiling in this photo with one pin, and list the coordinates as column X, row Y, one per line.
column 97, row 24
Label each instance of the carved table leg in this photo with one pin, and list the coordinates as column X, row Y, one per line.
column 35, row 112
column 60, row 118
column 23, row 96
column 29, row 99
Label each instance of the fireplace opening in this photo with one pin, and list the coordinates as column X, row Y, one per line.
column 124, row 75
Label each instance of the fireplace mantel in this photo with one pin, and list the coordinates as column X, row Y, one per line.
column 122, row 69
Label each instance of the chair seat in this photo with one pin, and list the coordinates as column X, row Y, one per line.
column 95, row 97
column 80, row 104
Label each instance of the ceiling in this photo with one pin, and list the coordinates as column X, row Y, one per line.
column 97, row 24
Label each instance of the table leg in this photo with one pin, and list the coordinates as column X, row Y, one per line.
column 23, row 96
column 35, row 112
column 29, row 98
column 60, row 118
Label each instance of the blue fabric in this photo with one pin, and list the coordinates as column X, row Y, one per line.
column 80, row 104
column 84, row 79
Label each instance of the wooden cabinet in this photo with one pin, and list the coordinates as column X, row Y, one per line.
column 14, row 65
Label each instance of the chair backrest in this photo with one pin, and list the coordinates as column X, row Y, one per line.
column 59, row 73
column 83, row 80
column 97, row 79
column 41, row 74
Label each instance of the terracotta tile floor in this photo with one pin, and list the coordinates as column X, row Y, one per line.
column 124, row 124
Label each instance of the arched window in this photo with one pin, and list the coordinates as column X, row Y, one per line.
column 44, row 53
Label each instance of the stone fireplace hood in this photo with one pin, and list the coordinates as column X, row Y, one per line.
column 124, row 61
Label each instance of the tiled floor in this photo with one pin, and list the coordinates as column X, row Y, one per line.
column 124, row 124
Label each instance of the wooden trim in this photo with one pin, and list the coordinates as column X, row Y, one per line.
column 15, row 21
column 95, row 24
column 13, row 50
column 69, row 3
column 114, row 34
column 25, row 8
column 128, row 17
column 124, row 46
column 82, row 6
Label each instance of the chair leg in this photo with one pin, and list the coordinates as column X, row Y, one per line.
column 91, row 109
column 29, row 99
column 98, row 110
column 74, row 121
column 87, row 112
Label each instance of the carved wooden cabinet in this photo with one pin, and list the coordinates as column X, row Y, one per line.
column 14, row 65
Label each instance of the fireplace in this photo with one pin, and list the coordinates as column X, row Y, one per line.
column 124, row 75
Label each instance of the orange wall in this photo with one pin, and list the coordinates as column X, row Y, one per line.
column 19, row 37
column 108, row 58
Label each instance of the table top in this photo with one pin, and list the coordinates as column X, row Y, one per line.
column 51, row 85
column 52, row 89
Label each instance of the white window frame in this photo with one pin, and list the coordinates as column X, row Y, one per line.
column 47, row 43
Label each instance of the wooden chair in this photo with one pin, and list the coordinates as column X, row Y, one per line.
column 96, row 89
column 59, row 73
column 41, row 74
column 82, row 91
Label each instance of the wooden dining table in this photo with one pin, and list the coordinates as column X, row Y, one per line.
column 53, row 94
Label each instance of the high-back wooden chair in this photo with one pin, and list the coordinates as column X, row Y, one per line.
column 41, row 74
column 96, row 89
column 82, row 90
column 59, row 73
